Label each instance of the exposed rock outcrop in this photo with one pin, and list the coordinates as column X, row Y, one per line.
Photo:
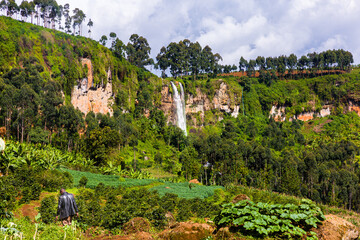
column 354, row 107
column 199, row 104
column 167, row 104
column 187, row 231
column 135, row 225
column 87, row 97
column 239, row 198
column 336, row 228
column 279, row 113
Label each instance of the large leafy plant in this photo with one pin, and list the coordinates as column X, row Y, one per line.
column 263, row 219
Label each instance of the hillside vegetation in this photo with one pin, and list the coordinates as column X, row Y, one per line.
column 52, row 145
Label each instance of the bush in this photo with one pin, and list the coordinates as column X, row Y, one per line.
column 89, row 207
column 48, row 209
column 7, row 197
column 31, row 193
column 54, row 180
column 83, row 181
column 267, row 220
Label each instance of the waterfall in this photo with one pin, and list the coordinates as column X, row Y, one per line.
column 180, row 107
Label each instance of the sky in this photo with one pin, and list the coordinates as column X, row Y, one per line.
column 232, row 28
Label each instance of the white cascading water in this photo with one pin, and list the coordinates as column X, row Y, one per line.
column 180, row 107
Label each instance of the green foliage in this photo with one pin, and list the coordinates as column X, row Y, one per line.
column 83, row 181
column 48, row 209
column 8, row 196
column 265, row 219
column 183, row 190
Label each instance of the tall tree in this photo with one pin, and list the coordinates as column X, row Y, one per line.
column 194, row 56
column 90, row 25
column 24, row 9
column 67, row 18
column 138, row 51
column 260, row 62
column 291, row 63
column 12, row 8
column 242, row 64
column 162, row 61
column 118, row 48
column 78, row 18
column 251, row 68
column 53, row 12
column 103, row 40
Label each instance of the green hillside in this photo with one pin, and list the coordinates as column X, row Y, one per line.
column 50, row 144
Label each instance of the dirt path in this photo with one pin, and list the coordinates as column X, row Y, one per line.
column 31, row 209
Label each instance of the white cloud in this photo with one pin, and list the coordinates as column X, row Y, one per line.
column 232, row 28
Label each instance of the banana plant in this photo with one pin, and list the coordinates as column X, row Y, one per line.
column 8, row 160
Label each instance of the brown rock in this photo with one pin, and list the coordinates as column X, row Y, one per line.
column 224, row 233
column 239, row 198
column 194, row 181
column 187, row 231
column 141, row 236
column 136, row 225
column 167, row 105
column 2, row 131
column 336, row 228
column 170, row 219
column 86, row 97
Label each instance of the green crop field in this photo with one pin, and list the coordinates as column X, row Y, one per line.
column 162, row 187
column 183, row 190
column 109, row 180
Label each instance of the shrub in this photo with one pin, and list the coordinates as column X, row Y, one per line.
column 48, row 209
column 89, row 207
column 7, row 197
column 264, row 219
column 31, row 193
column 83, row 181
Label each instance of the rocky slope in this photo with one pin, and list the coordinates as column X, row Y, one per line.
column 200, row 108
column 87, row 97
column 198, row 105
column 279, row 112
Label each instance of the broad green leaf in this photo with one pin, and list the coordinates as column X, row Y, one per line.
column 224, row 220
column 241, row 220
column 249, row 226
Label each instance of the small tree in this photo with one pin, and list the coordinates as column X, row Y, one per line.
column 83, row 181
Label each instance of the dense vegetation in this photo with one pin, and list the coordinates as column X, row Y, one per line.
column 48, row 140
column 309, row 64
column 263, row 219
column 252, row 149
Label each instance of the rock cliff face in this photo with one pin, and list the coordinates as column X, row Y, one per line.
column 87, row 97
column 199, row 104
column 279, row 112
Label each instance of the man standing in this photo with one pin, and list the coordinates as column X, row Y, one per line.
column 67, row 207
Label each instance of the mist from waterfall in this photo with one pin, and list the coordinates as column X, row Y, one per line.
column 180, row 107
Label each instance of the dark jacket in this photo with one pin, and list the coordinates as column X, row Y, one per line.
column 67, row 205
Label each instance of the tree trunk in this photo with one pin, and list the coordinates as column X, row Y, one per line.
column 22, row 130
column 134, row 160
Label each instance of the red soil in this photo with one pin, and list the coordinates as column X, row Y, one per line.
column 295, row 72
column 31, row 209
